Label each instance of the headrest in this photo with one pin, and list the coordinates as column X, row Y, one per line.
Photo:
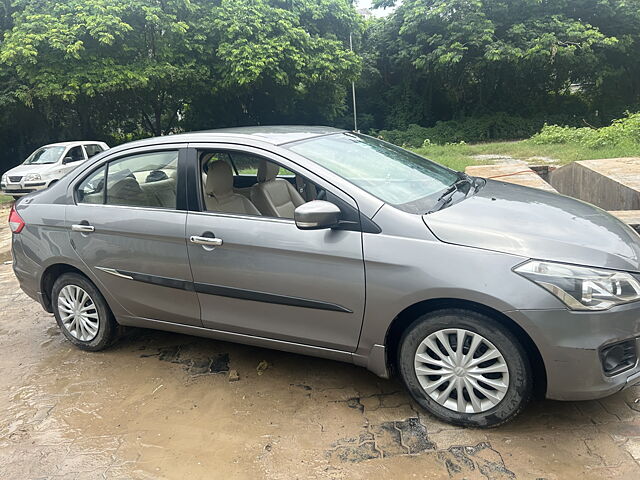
column 156, row 176
column 267, row 171
column 219, row 179
column 128, row 187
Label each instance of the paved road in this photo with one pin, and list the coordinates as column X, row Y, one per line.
column 161, row 405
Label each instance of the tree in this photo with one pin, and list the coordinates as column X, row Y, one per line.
column 88, row 53
column 121, row 69
column 451, row 58
column 278, row 61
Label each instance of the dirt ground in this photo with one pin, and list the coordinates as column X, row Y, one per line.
column 160, row 405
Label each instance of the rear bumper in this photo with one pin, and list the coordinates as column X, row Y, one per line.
column 27, row 273
column 570, row 344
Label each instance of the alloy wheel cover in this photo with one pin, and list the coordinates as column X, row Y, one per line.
column 78, row 313
column 461, row 370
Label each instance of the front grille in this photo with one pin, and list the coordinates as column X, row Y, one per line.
column 15, row 179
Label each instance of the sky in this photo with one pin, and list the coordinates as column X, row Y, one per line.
column 380, row 12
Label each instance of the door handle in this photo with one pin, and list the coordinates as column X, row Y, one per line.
column 206, row 241
column 83, row 228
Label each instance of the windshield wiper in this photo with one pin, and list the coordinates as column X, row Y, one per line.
column 447, row 195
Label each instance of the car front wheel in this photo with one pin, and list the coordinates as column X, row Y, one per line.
column 82, row 313
column 465, row 368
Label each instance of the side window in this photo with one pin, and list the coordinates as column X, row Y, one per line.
column 247, row 164
column 208, row 158
column 75, row 154
column 240, row 163
column 143, row 180
column 237, row 182
column 91, row 189
column 244, row 163
column 92, row 150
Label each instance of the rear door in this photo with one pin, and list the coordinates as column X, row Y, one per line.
column 269, row 279
column 132, row 239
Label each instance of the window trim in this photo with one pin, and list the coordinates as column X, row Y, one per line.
column 261, row 154
column 196, row 189
column 104, row 190
column 180, row 149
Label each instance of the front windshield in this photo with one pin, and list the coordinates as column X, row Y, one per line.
column 392, row 174
column 44, row 155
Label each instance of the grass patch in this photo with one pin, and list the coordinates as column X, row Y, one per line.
column 5, row 200
column 458, row 157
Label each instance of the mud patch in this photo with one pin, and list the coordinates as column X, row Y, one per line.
column 387, row 439
column 463, row 461
column 194, row 362
column 374, row 401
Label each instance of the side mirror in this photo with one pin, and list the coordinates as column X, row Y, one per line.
column 317, row 215
column 67, row 159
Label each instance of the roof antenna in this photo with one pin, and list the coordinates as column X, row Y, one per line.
column 353, row 94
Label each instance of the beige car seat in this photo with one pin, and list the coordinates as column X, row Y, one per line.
column 219, row 194
column 273, row 196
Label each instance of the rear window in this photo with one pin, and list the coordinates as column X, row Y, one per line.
column 93, row 150
column 142, row 180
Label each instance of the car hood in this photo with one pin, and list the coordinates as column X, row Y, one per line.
column 537, row 224
column 24, row 169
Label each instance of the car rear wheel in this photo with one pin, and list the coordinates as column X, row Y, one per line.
column 465, row 368
column 82, row 313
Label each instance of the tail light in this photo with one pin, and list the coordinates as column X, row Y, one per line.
column 16, row 224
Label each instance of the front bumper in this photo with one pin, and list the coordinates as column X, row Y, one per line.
column 570, row 344
column 20, row 189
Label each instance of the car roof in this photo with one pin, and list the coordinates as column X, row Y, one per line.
column 76, row 142
column 273, row 134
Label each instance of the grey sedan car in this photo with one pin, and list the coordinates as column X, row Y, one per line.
column 477, row 294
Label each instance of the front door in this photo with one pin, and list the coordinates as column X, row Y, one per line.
column 260, row 275
column 72, row 158
column 127, row 229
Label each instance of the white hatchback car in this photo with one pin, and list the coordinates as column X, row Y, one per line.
column 47, row 165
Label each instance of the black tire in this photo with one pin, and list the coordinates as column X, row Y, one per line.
column 16, row 197
column 107, row 331
column 520, row 382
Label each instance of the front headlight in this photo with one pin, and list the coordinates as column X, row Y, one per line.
column 4, row 179
column 582, row 288
column 30, row 177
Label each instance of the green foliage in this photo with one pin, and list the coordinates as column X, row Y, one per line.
column 499, row 126
column 447, row 59
column 459, row 156
column 443, row 70
column 147, row 56
column 413, row 136
column 621, row 132
column 117, row 70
